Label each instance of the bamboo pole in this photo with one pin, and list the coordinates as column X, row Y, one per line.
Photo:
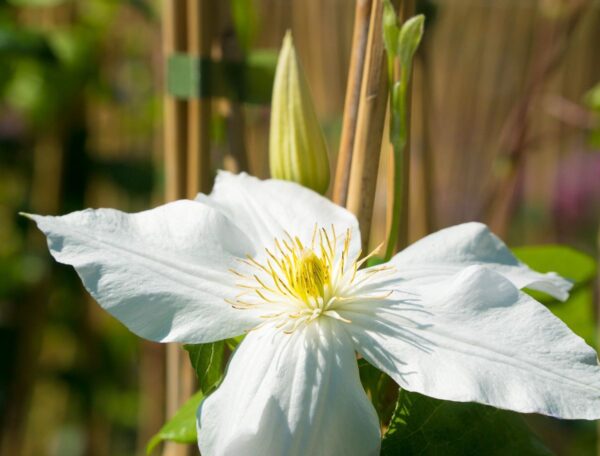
column 231, row 51
column 199, row 17
column 353, row 89
column 176, row 146
column 174, row 39
column 369, row 127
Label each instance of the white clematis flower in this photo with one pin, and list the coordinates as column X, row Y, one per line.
column 444, row 318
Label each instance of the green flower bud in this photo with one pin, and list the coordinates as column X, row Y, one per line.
column 297, row 148
column 390, row 28
column 409, row 38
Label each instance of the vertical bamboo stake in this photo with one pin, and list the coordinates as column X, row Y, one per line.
column 360, row 36
column 176, row 141
column 200, row 14
column 174, row 38
column 369, row 127
column 231, row 52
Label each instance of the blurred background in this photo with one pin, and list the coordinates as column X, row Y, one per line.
column 505, row 129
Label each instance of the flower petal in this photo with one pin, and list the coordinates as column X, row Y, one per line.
column 267, row 209
column 162, row 272
column 478, row 338
column 290, row 394
column 447, row 251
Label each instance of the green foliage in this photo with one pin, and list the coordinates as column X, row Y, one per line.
column 565, row 261
column 592, row 100
column 182, row 427
column 401, row 43
column 578, row 311
column 246, row 22
column 250, row 80
column 380, row 388
column 45, row 3
column 374, row 261
column 207, row 360
column 425, row 426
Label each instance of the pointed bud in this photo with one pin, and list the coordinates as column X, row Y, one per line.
column 390, row 28
column 297, row 148
column 409, row 38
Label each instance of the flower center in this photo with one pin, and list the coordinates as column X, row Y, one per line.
column 294, row 284
column 311, row 275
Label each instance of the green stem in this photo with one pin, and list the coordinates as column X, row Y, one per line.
column 398, row 138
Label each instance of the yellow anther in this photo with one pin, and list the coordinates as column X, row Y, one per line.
column 310, row 275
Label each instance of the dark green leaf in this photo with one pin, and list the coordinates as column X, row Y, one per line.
column 207, row 360
column 425, row 426
column 182, row 427
column 380, row 388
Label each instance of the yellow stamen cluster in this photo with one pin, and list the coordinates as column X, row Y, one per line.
column 294, row 284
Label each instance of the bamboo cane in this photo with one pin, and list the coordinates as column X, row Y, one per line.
column 199, row 17
column 236, row 136
column 353, row 89
column 176, row 141
column 369, row 127
column 174, row 38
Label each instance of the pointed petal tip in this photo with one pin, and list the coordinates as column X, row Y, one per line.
column 28, row 215
column 288, row 39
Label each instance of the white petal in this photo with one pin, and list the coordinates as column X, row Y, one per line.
column 293, row 394
column 266, row 209
column 447, row 251
column 162, row 272
column 478, row 338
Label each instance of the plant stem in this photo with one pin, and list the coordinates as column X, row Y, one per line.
column 398, row 138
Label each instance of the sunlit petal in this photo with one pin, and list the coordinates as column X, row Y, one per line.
column 477, row 338
column 447, row 251
column 292, row 394
column 266, row 210
column 163, row 272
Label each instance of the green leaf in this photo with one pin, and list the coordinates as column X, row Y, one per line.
column 409, row 38
column 36, row 3
column 565, row 261
column 578, row 313
column 246, row 22
column 207, row 360
column 182, row 427
column 425, row 426
column 374, row 261
column 592, row 98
